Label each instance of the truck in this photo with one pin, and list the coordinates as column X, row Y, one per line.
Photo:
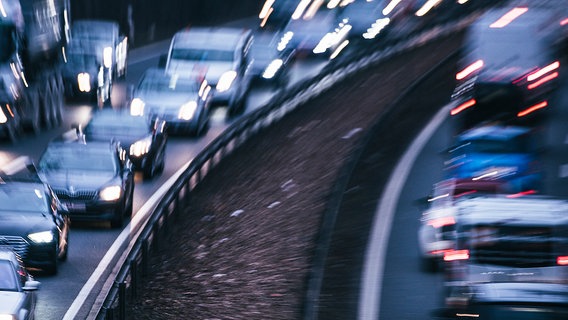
column 33, row 38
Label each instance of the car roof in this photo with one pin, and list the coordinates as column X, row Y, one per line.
column 9, row 254
column 493, row 132
column 94, row 25
column 504, row 210
column 210, row 37
column 112, row 116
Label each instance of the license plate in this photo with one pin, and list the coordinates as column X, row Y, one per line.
column 73, row 206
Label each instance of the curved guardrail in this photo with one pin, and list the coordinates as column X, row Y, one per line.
column 135, row 267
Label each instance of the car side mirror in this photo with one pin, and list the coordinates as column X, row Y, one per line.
column 31, row 285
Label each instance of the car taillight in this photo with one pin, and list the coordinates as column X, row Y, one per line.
column 462, row 107
column 440, row 222
column 562, row 260
column 456, row 255
column 520, row 194
column 532, row 109
column 469, row 70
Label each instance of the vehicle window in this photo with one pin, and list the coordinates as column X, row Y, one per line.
column 22, row 199
column 203, row 55
column 81, row 159
column 7, row 277
column 126, row 127
column 167, row 85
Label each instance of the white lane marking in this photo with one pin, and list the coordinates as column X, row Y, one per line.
column 135, row 224
column 373, row 269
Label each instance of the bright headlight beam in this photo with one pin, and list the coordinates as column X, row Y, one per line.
column 41, row 237
column 509, row 17
column 110, row 193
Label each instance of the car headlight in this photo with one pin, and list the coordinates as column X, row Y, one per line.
column 272, row 68
column 107, row 57
column 187, row 110
column 41, row 237
column 110, row 193
column 141, row 147
column 226, row 80
column 6, row 316
column 84, row 82
column 137, row 107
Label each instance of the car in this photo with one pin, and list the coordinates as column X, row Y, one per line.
column 436, row 231
column 35, row 224
column 270, row 65
column 84, row 74
column 18, row 298
column 497, row 152
column 144, row 139
column 510, row 66
column 183, row 100
column 315, row 35
column 509, row 252
column 94, row 179
column 106, row 38
column 222, row 54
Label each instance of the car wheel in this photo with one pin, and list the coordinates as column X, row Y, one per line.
column 117, row 221
column 52, row 268
column 429, row 265
column 150, row 170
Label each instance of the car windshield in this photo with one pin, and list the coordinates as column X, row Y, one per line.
column 203, row 55
column 7, row 277
column 79, row 159
column 22, row 199
column 119, row 126
column 169, row 84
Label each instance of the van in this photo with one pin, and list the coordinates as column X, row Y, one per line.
column 509, row 66
column 222, row 54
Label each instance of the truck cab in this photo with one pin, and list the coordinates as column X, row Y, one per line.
column 105, row 37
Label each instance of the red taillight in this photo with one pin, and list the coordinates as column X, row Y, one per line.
column 469, row 69
column 564, row 22
column 562, row 260
column 532, row 109
column 456, row 255
column 520, row 194
column 543, row 80
column 462, row 107
column 440, row 222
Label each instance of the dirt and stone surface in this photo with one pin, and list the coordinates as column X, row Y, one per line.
column 245, row 246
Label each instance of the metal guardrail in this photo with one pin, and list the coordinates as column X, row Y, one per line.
column 177, row 198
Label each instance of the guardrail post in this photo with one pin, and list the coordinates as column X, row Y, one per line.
column 122, row 300
column 134, row 277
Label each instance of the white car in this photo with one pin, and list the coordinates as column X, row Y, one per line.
column 17, row 288
column 436, row 232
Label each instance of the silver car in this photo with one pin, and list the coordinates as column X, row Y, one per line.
column 17, row 288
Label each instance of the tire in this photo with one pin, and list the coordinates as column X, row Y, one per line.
column 150, row 171
column 117, row 221
column 53, row 268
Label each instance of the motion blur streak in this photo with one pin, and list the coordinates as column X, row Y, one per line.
column 456, row 255
column 520, row 194
column 532, row 109
column 508, row 17
column 562, row 260
column 427, row 7
column 470, row 69
column 539, row 73
column 300, row 9
column 564, row 22
column 264, row 12
column 440, row 222
column 543, row 80
column 390, row 7
column 462, row 107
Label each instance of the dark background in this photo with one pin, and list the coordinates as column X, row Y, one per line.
column 155, row 20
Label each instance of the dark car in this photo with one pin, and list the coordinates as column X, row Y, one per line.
column 93, row 179
column 270, row 65
column 34, row 222
column 17, row 288
column 509, row 66
column 145, row 140
column 84, row 73
column 182, row 100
